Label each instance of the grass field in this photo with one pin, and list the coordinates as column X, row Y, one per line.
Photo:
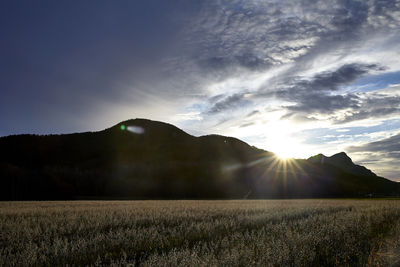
column 201, row 233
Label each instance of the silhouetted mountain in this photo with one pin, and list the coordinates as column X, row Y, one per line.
column 142, row 159
column 342, row 161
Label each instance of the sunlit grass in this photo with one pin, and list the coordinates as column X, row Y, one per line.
column 199, row 233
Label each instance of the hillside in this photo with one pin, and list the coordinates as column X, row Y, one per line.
column 143, row 159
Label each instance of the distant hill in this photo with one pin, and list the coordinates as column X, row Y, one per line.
column 144, row 159
column 342, row 161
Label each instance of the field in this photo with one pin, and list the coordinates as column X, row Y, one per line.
column 201, row 233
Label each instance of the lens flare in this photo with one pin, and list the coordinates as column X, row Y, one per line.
column 136, row 129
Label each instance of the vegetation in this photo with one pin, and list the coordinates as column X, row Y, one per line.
column 200, row 233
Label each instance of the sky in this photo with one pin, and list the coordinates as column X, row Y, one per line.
column 296, row 78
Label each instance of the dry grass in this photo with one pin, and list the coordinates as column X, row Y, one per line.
column 201, row 233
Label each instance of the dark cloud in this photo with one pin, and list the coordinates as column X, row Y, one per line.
column 383, row 155
column 369, row 114
column 391, row 145
column 374, row 106
column 320, row 95
column 248, row 35
column 247, row 124
column 323, row 104
column 331, row 81
column 308, row 95
column 349, row 17
column 254, row 112
column 229, row 103
column 256, row 35
column 315, row 95
column 383, row 12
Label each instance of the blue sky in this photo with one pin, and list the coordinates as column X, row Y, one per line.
column 293, row 77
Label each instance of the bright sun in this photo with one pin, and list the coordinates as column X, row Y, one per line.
column 277, row 136
column 281, row 141
column 284, row 151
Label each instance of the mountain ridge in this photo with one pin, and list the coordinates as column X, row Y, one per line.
column 144, row 159
column 343, row 161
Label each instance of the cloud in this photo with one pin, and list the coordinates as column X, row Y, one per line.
column 374, row 105
column 254, row 112
column 389, row 145
column 136, row 54
column 330, row 81
column 382, row 155
column 244, row 125
column 320, row 95
column 315, row 95
column 256, row 35
column 207, row 66
column 228, row 103
column 249, row 35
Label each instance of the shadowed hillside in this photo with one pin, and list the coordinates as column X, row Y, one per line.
column 142, row 159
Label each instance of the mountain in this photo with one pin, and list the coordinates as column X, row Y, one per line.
column 342, row 161
column 144, row 159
